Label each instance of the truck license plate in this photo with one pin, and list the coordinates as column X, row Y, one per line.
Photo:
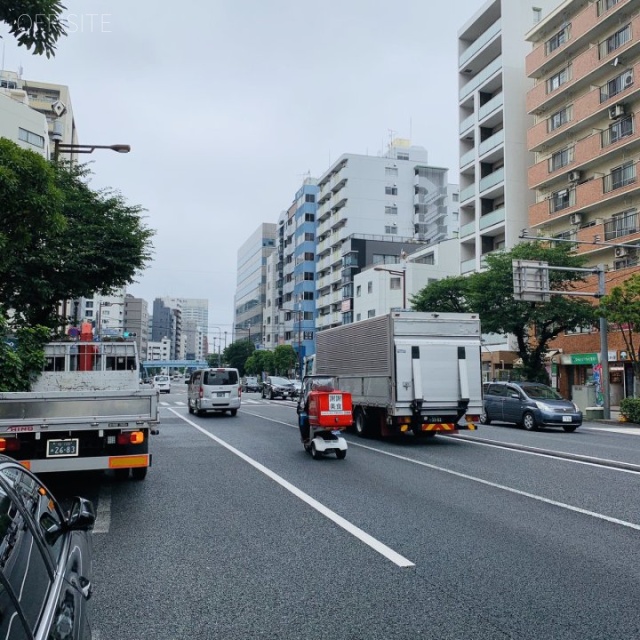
column 566, row 418
column 62, row 448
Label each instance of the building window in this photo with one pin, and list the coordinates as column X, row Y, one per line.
column 309, row 237
column 557, row 119
column 390, row 229
column 309, row 217
column 455, row 197
column 371, row 313
column 309, row 197
column 31, row 138
column 558, row 79
column 308, row 275
column 370, row 287
column 309, row 256
column 616, row 85
column 395, row 283
column 402, row 155
column 562, row 199
column 560, row 159
column 391, row 171
column 391, row 210
column 615, row 41
column 618, row 130
column 621, row 224
column 605, row 5
column 391, row 191
column 620, row 177
column 358, row 291
column 557, row 40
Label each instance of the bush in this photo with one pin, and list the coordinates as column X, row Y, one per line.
column 630, row 409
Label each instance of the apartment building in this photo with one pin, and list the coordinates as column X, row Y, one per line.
column 22, row 124
column 586, row 66
column 369, row 209
column 494, row 194
column 250, row 297
column 290, row 286
column 136, row 322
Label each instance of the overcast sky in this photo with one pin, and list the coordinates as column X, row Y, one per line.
column 227, row 104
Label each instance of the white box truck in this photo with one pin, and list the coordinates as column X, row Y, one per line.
column 406, row 371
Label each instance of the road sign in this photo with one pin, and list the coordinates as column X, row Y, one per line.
column 531, row 280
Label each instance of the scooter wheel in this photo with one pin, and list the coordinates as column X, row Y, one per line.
column 341, row 454
column 314, row 452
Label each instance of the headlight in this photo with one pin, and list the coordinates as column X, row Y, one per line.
column 543, row 407
column 576, row 407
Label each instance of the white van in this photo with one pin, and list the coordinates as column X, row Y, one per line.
column 214, row 390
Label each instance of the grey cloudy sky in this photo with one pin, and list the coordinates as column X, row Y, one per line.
column 227, row 104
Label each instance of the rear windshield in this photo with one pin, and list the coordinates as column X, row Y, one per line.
column 220, row 377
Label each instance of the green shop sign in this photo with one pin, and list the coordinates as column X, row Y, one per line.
column 584, row 358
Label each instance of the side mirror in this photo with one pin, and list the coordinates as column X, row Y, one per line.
column 515, row 395
column 81, row 515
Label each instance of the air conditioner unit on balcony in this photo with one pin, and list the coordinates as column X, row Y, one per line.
column 621, row 252
column 628, row 79
column 574, row 176
column 616, row 111
column 575, row 218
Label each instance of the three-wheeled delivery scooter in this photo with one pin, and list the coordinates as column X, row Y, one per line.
column 323, row 412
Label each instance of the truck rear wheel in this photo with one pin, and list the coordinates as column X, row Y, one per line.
column 139, row 473
column 361, row 423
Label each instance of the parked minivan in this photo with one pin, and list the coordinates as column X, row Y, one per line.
column 530, row 404
column 214, row 390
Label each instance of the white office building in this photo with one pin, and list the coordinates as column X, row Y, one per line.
column 494, row 196
column 371, row 209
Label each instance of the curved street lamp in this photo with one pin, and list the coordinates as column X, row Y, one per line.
column 67, row 147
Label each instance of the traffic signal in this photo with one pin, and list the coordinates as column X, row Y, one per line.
column 129, row 334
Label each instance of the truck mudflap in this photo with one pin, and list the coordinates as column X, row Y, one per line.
column 97, row 463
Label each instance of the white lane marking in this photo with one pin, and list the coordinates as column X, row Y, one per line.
column 179, row 403
column 103, row 512
column 627, row 431
column 369, row 540
column 555, row 503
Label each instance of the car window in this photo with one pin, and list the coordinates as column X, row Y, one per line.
column 541, row 392
column 26, row 578
column 38, row 502
column 497, row 390
column 512, row 390
column 276, row 380
column 220, row 377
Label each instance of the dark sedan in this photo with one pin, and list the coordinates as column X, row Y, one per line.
column 277, row 387
column 45, row 559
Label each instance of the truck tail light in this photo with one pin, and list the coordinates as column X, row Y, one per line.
column 9, row 444
column 239, row 391
column 130, row 437
column 472, row 418
column 201, row 393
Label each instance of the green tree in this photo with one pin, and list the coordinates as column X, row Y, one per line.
column 59, row 239
column 237, row 353
column 21, row 356
column 260, row 361
column 36, row 24
column 534, row 324
column 621, row 308
column 285, row 358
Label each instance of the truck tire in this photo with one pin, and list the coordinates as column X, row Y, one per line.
column 121, row 474
column 190, row 406
column 139, row 473
column 361, row 424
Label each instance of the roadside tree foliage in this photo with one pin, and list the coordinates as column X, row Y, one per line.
column 236, row 354
column 21, row 356
column 259, row 362
column 59, row 239
column 621, row 308
column 285, row 358
column 35, row 24
column 489, row 293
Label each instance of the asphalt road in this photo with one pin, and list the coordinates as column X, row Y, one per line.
column 238, row 533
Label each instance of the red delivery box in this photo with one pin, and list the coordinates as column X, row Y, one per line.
column 330, row 409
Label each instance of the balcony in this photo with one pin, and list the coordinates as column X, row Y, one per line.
column 467, row 123
column 467, row 158
column 538, row 62
column 489, row 107
column 490, row 143
column 477, row 81
column 492, row 180
column 489, row 219
column 467, row 193
column 588, row 196
column 467, row 266
column 480, row 43
column 467, row 229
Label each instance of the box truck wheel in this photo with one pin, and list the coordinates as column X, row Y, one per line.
column 139, row 473
column 361, row 423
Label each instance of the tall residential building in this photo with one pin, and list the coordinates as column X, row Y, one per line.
column 250, row 297
column 291, row 290
column 369, row 209
column 494, row 194
column 586, row 66
column 195, row 326
column 167, row 323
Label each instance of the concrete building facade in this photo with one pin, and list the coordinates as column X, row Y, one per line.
column 585, row 64
column 494, row 194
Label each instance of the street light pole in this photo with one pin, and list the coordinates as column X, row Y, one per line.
column 64, row 147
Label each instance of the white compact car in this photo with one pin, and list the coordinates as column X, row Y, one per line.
column 162, row 384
